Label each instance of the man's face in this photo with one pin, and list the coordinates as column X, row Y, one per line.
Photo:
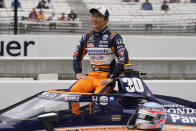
column 98, row 21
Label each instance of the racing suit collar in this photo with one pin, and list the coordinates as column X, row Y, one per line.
column 101, row 32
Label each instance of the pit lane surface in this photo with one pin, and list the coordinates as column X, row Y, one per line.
column 124, row 128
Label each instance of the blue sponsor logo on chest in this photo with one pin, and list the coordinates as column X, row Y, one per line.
column 95, row 51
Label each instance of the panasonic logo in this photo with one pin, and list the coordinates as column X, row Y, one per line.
column 98, row 51
column 177, row 118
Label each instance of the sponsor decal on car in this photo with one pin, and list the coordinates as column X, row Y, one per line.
column 171, row 105
column 103, row 100
column 111, row 98
column 148, row 94
column 179, row 109
column 184, row 119
column 95, row 98
column 72, row 97
column 182, row 110
column 48, row 95
column 129, row 111
column 66, row 98
column 116, row 117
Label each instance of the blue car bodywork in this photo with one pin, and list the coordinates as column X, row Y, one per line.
column 50, row 110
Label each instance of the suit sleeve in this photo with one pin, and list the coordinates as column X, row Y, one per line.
column 121, row 54
column 78, row 55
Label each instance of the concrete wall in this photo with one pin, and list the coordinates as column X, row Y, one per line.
column 155, row 68
column 161, row 57
column 63, row 46
column 15, row 91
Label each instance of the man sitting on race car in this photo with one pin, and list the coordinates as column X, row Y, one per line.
column 102, row 47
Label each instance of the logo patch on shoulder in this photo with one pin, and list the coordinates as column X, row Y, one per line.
column 121, row 53
column 75, row 53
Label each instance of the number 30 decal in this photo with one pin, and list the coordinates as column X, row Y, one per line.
column 134, row 84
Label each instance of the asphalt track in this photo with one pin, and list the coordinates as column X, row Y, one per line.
column 124, row 128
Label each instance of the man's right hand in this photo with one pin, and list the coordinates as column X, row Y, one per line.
column 81, row 76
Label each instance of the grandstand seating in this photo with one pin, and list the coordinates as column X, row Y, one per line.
column 182, row 15
column 122, row 11
column 59, row 6
column 7, row 14
column 126, row 17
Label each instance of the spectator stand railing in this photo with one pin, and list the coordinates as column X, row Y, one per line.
column 7, row 20
column 180, row 18
column 124, row 17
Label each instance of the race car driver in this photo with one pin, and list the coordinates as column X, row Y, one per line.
column 102, row 46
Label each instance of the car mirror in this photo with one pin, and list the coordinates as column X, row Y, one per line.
column 46, row 120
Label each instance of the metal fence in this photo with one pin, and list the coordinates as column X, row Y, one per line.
column 125, row 21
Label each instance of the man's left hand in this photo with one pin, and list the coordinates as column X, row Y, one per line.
column 106, row 81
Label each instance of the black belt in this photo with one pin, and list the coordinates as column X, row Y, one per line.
column 100, row 69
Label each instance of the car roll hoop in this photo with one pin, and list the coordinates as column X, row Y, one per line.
column 129, row 71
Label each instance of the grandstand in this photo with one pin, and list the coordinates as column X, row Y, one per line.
column 7, row 15
column 125, row 17
column 179, row 19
